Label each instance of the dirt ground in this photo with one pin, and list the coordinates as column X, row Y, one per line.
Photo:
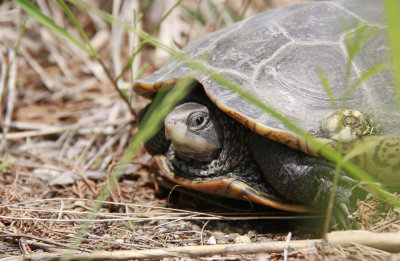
column 64, row 128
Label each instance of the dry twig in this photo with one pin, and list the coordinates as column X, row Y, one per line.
column 385, row 241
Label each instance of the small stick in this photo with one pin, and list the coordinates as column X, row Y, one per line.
column 385, row 241
column 12, row 95
column 42, row 240
column 286, row 250
column 55, row 130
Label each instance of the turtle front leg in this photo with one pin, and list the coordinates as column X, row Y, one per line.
column 302, row 178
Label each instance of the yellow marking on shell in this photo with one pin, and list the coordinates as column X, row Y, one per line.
column 229, row 187
column 148, row 90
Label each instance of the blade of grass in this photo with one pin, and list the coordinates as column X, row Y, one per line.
column 216, row 13
column 5, row 163
column 393, row 21
column 35, row 12
column 355, row 41
column 141, row 71
column 327, row 87
column 195, row 15
column 144, row 42
column 72, row 18
column 329, row 209
column 332, row 195
column 365, row 76
column 361, row 36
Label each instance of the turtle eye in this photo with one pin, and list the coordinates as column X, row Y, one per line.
column 198, row 121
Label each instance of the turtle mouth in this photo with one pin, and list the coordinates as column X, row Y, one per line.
column 196, row 156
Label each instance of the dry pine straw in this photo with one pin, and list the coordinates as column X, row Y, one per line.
column 64, row 127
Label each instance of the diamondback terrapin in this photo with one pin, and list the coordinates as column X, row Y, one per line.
column 223, row 144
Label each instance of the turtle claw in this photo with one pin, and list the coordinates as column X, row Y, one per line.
column 325, row 171
column 343, row 217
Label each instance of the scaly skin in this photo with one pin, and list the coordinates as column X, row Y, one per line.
column 302, row 178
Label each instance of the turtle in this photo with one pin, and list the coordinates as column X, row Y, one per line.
column 218, row 142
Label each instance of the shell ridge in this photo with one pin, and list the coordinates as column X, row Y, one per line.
column 211, row 44
column 261, row 65
column 284, row 31
column 295, row 43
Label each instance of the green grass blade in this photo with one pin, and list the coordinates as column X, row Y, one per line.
column 393, row 21
column 215, row 12
column 5, row 163
column 72, row 18
column 327, row 87
column 361, row 36
column 141, row 71
column 145, row 42
column 34, row 12
column 159, row 110
column 112, row 20
column 365, row 76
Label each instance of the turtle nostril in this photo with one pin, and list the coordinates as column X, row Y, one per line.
column 168, row 122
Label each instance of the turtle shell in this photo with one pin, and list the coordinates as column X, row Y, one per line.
column 276, row 56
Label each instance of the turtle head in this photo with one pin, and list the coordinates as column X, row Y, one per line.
column 194, row 132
